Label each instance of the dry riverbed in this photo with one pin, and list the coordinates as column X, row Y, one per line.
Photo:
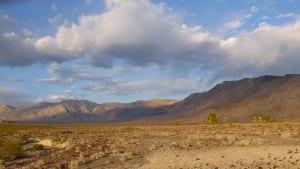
column 274, row 145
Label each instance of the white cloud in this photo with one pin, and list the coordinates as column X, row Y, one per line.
column 7, row 22
column 265, row 50
column 177, row 86
column 286, row 15
column 15, row 79
column 162, row 89
column 65, row 95
column 239, row 21
column 265, row 17
column 254, row 9
column 233, row 25
column 8, row 53
column 27, row 33
column 65, row 75
column 127, row 69
column 24, row 42
column 54, row 19
column 137, row 32
column 53, row 7
column 26, row 53
column 118, row 87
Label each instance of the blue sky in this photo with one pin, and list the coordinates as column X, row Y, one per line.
column 126, row 50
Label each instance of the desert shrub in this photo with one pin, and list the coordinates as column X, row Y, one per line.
column 11, row 150
column 7, row 130
column 38, row 147
column 58, row 139
column 130, row 129
column 257, row 118
column 1, row 142
column 212, row 118
column 24, row 138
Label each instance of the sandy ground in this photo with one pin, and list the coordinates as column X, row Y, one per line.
column 279, row 156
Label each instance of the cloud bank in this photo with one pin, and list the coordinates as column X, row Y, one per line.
column 137, row 32
column 140, row 33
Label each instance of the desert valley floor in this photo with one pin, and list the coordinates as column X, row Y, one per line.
column 273, row 145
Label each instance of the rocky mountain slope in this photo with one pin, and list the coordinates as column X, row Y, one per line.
column 237, row 101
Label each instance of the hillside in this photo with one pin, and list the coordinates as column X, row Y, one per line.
column 237, row 101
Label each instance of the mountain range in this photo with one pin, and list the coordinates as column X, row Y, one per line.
column 69, row 111
column 277, row 97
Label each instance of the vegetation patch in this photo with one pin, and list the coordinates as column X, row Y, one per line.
column 130, row 129
column 258, row 118
column 38, row 147
column 212, row 119
column 11, row 150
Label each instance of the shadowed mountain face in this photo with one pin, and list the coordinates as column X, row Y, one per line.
column 237, row 101
column 232, row 101
column 69, row 111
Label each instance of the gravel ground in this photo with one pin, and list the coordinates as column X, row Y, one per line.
column 275, row 145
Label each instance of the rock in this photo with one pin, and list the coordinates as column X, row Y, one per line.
column 62, row 166
column 244, row 143
column 82, row 159
column 152, row 147
column 285, row 134
column 46, row 142
column 63, row 145
column 114, row 151
column 74, row 164
column 40, row 163
column 97, row 156
column 175, row 144
column 2, row 166
column 126, row 156
column 78, row 149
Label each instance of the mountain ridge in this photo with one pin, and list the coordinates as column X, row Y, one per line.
column 232, row 101
column 84, row 111
column 238, row 101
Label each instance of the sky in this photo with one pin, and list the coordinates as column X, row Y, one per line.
column 127, row 50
